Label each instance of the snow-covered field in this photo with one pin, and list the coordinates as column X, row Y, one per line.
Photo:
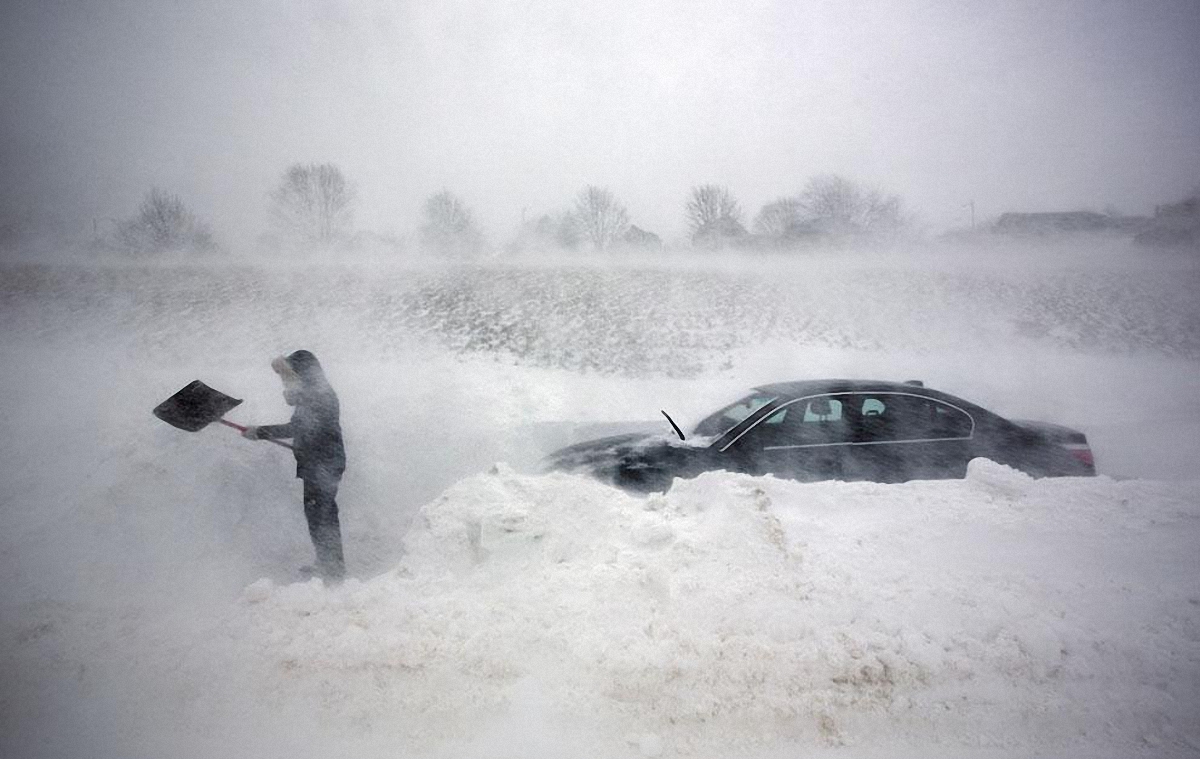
column 151, row 608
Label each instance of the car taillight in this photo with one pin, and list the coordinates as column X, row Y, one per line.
column 1082, row 453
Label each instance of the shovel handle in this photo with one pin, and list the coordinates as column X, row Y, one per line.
column 241, row 428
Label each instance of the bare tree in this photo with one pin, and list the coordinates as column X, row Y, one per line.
column 780, row 218
column 449, row 227
column 714, row 216
column 600, row 218
column 163, row 223
column 313, row 204
column 547, row 232
column 564, row 229
column 840, row 205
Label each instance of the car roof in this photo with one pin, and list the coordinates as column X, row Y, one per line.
column 800, row 388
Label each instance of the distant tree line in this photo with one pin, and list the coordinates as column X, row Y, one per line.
column 828, row 207
column 596, row 221
column 311, row 209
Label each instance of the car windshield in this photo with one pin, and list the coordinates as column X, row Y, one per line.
column 726, row 418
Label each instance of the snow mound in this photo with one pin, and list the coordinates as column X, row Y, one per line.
column 750, row 609
column 656, row 612
column 997, row 479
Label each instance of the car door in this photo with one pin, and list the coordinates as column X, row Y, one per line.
column 802, row 439
column 903, row 436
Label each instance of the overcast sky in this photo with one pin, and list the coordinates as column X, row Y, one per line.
column 516, row 105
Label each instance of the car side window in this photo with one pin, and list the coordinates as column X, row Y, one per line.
column 873, row 407
column 908, row 417
column 874, row 420
column 945, row 421
column 809, row 421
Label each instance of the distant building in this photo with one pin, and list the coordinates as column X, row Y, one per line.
column 1173, row 224
column 1066, row 222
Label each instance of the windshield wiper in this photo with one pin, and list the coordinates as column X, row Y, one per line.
column 674, row 426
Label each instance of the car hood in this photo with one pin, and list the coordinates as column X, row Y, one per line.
column 604, row 452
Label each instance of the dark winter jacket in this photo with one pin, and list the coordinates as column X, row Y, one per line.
column 315, row 428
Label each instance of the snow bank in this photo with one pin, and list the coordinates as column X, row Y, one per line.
column 735, row 615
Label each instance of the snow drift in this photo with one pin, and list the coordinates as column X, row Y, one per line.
column 734, row 613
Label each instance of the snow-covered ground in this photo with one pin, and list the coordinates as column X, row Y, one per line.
column 151, row 606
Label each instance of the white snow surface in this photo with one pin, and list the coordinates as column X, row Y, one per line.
column 152, row 608
column 735, row 614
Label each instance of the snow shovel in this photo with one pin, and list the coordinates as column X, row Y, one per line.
column 196, row 406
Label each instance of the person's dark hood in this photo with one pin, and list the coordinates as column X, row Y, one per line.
column 300, row 366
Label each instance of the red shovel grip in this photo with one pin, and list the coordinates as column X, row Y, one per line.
column 241, row 428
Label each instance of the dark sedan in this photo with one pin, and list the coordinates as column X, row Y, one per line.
column 835, row 430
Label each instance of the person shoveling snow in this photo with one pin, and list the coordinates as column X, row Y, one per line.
column 316, row 435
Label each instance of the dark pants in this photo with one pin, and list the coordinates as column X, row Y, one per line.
column 321, row 510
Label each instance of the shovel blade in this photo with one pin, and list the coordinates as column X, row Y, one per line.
column 195, row 407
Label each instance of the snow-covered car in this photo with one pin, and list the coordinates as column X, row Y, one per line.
column 834, row 429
